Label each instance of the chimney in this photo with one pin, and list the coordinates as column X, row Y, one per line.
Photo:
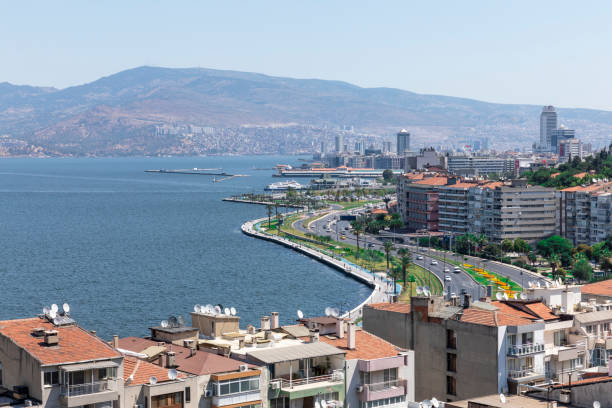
column 489, row 291
column 314, row 335
column 93, row 332
column 115, row 341
column 170, row 359
column 240, row 343
column 51, row 338
column 340, row 328
column 162, row 360
column 275, row 324
column 467, row 300
column 265, row 323
column 350, row 336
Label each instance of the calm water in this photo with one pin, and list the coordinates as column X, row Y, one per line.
column 127, row 249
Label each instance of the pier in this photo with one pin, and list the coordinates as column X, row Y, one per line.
column 247, row 201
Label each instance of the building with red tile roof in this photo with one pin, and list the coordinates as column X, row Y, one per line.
column 600, row 291
column 139, row 372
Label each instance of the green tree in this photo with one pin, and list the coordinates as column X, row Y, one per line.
column 606, row 264
column 269, row 208
column 387, row 175
column 555, row 245
column 405, row 259
column 554, row 262
column 532, row 257
column 585, row 249
column 357, row 230
column 583, row 270
column 278, row 222
column 507, row 246
column 388, row 247
column 521, row 246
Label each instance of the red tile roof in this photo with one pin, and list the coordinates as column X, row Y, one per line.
column 602, row 288
column 398, row 307
column 379, row 211
column 542, row 311
column 367, row 346
column 75, row 344
column 142, row 371
column 201, row 363
column 493, row 318
column 593, row 380
column 433, row 181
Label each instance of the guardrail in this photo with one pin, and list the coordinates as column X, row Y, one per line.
column 525, row 349
column 335, row 376
column 84, row 389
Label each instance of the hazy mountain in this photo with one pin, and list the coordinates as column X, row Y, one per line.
column 151, row 110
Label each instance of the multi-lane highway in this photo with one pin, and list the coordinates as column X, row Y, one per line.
column 462, row 282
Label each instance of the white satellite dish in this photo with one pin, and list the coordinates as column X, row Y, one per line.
column 335, row 312
column 562, row 309
column 515, row 296
column 498, row 296
column 435, row 402
column 54, row 308
column 300, row 314
column 152, row 380
column 233, row 311
column 419, row 290
column 323, row 404
column 505, row 296
column 53, row 314
column 172, row 374
column 523, row 296
column 203, row 309
column 426, row 291
column 164, row 323
column 66, row 308
column 530, row 284
column 427, row 404
column 197, row 308
column 317, row 405
column 226, row 311
column 46, row 310
column 502, row 398
column 596, row 404
column 547, row 284
column 217, row 309
column 538, row 285
column 210, row 309
column 328, row 311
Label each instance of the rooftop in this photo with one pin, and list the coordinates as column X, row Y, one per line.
column 367, row 346
column 201, row 363
column 142, row 371
column 398, row 307
column 75, row 344
column 589, row 317
column 319, row 320
column 602, row 288
column 308, row 350
column 493, row 401
column 432, row 181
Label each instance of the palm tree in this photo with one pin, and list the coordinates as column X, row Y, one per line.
column 388, row 247
column 554, row 262
column 278, row 225
column 386, row 199
column 405, row 259
column 358, row 230
column 269, row 208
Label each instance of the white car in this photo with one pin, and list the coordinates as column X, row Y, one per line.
column 434, row 262
column 447, row 278
column 419, row 258
column 457, row 269
column 446, row 270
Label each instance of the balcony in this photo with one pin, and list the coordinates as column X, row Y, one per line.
column 308, row 386
column 74, row 395
column 525, row 349
column 387, row 389
column 528, row 374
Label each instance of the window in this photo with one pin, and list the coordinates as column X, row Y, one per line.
column 389, row 376
column 589, row 328
column 575, row 363
column 238, row 385
column 451, row 385
column 365, row 377
column 52, row 378
column 187, row 394
column 451, row 362
column 451, row 340
column 383, row 402
column 107, row 373
column 606, row 327
column 560, row 338
column 167, row 400
column 279, row 403
column 527, row 338
column 511, row 339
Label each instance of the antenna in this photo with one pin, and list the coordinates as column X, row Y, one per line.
column 227, row 311
column 530, row 284
column 502, row 398
column 152, row 380
column 435, row 402
column 538, row 285
column 66, row 308
column 523, row 296
column 328, row 311
column 300, row 314
column 498, row 296
column 233, row 311
column 164, row 324
column 197, row 308
column 54, row 308
column 172, row 374
column 53, row 314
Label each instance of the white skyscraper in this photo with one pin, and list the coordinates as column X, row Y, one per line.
column 339, row 145
column 548, row 123
column 403, row 142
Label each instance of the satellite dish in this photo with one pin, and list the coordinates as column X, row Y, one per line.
column 66, row 308
column 530, row 284
column 227, row 311
column 596, row 404
column 164, row 324
column 197, row 308
column 52, row 314
column 46, row 310
column 505, row 296
column 547, row 284
column 426, row 291
column 54, row 308
column 209, row 308
column 172, row 320
column 172, row 374
column 515, row 296
column 328, row 311
column 317, row 405
column 498, row 296
column 56, row 321
column 323, row 404
column 181, row 321
column 152, row 380
column 538, row 285
column 435, row 402
column 562, row 309
column 427, row 404
column 419, row 290
column 217, row 309
column 233, row 311
column 335, row 312
column 220, row 306
column 523, row 296
column 502, row 398
column 300, row 314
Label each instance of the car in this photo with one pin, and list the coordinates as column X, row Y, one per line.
column 342, row 236
column 370, row 245
column 457, row 269
column 434, row 262
column 446, row 270
column 419, row 258
column 447, row 278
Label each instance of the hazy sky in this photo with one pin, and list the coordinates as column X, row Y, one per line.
column 553, row 52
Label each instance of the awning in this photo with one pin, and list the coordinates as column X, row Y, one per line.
column 89, row 366
column 279, row 354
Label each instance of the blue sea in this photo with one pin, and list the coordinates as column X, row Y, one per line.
column 127, row 249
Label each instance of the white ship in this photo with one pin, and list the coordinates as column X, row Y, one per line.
column 284, row 186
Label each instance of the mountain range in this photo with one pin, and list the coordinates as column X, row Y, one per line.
column 160, row 111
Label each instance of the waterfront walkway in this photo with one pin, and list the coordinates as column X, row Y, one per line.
column 382, row 288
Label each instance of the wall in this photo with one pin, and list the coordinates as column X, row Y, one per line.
column 394, row 327
column 19, row 368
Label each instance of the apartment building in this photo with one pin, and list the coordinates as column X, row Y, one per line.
column 418, row 202
column 480, row 165
column 463, row 352
column 56, row 363
column 585, row 213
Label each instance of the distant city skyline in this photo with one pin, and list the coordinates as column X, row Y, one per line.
column 496, row 52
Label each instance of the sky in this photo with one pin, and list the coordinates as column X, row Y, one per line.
column 516, row 51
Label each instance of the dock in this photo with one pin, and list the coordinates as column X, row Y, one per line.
column 246, row 201
column 196, row 171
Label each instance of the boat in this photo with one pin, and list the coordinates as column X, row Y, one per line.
column 284, row 186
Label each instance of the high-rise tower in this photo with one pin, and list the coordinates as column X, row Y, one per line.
column 403, row 142
column 339, row 146
column 548, row 123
